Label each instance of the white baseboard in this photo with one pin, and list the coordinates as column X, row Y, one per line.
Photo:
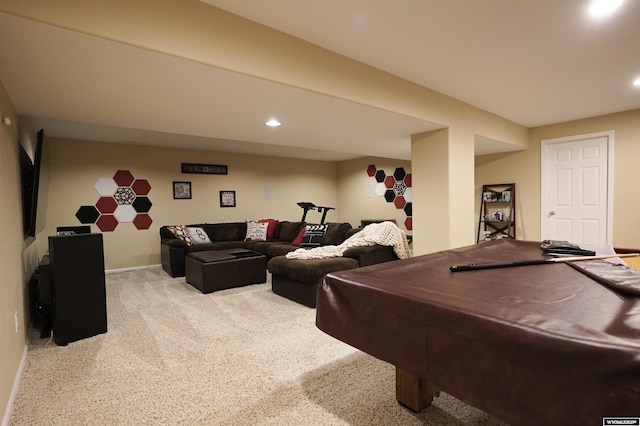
column 132, row 268
column 14, row 389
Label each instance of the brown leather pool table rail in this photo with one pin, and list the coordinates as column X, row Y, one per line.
column 539, row 344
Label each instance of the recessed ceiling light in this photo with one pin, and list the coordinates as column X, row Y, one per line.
column 273, row 123
column 636, row 82
column 601, row 8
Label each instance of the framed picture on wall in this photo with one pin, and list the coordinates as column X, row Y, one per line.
column 181, row 190
column 227, row 198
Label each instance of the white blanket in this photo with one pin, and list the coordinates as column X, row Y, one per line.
column 384, row 234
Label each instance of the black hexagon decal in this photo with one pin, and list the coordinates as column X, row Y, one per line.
column 389, row 195
column 142, row 204
column 87, row 214
column 399, row 173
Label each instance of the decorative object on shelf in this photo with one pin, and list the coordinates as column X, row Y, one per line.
column 497, row 212
column 205, row 169
column 122, row 199
column 181, row 190
column 227, row 198
column 396, row 189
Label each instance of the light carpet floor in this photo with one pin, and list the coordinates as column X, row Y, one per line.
column 244, row 356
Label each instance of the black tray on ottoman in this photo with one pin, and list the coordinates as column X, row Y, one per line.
column 209, row 271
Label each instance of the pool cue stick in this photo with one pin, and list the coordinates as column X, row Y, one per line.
column 493, row 265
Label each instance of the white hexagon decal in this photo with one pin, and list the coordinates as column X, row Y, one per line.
column 106, row 187
column 125, row 213
column 380, row 189
column 408, row 195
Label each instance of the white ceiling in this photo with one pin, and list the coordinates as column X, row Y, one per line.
column 534, row 62
column 531, row 61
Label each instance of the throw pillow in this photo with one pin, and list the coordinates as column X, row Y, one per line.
column 313, row 235
column 198, row 236
column 256, row 231
column 298, row 240
column 271, row 229
column 181, row 233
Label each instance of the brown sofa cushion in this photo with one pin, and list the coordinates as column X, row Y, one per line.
column 289, row 230
column 222, row 232
column 336, row 233
column 309, row 271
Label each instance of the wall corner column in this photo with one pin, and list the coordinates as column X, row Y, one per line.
column 442, row 167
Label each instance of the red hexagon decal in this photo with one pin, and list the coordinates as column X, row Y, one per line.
column 142, row 221
column 399, row 202
column 141, row 187
column 107, row 222
column 371, row 170
column 389, row 181
column 407, row 180
column 106, row 205
column 123, row 178
column 408, row 223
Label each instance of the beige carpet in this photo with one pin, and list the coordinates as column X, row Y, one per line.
column 245, row 356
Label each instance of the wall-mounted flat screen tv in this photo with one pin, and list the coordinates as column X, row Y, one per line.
column 31, row 170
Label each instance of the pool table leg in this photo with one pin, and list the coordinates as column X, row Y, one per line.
column 414, row 392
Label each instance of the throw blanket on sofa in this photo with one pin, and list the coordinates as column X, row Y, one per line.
column 384, row 234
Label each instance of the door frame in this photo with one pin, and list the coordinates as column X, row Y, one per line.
column 546, row 143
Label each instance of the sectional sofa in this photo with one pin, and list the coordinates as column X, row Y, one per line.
column 294, row 279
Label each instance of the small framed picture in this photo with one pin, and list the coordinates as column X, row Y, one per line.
column 489, row 196
column 181, row 190
column 227, row 198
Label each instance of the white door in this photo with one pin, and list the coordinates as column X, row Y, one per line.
column 576, row 187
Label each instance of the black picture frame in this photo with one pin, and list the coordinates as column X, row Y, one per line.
column 205, row 169
column 181, row 190
column 227, row 198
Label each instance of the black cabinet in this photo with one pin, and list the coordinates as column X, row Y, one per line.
column 77, row 287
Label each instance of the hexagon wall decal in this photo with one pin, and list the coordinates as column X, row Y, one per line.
column 87, row 214
column 141, row 187
column 396, row 189
column 124, row 195
column 389, row 195
column 399, row 173
column 400, row 202
column 125, row 213
column 107, row 222
column 389, row 181
column 408, row 194
column 142, row 204
column 142, row 221
column 122, row 199
column 106, row 205
column 408, row 209
column 399, row 187
column 106, row 186
column 123, row 178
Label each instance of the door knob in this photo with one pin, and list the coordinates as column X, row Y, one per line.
column 551, row 213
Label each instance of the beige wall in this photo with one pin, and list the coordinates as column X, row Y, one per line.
column 77, row 165
column 523, row 168
column 184, row 29
column 13, row 264
column 357, row 197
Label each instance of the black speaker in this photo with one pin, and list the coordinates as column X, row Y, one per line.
column 77, row 287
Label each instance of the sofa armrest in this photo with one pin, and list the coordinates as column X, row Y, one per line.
column 370, row 255
column 174, row 242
